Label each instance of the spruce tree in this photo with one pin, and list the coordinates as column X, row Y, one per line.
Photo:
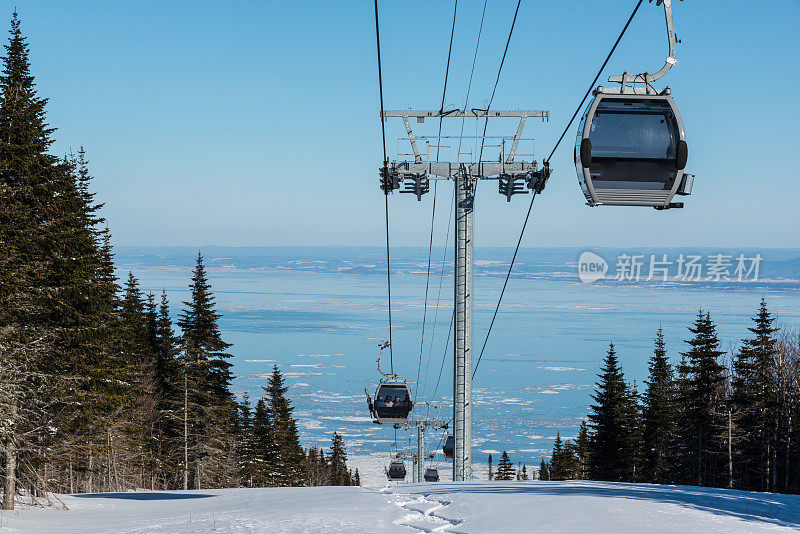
column 288, row 464
column 210, row 409
column 338, row 462
column 754, row 402
column 505, row 469
column 557, row 460
column 700, row 396
column 544, row 470
column 491, row 473
column 45, row 267
column 582, row 452
column 658, row 425
column 611, row 441
column 263, row 449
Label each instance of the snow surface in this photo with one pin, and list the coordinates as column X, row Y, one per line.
column 505, row 507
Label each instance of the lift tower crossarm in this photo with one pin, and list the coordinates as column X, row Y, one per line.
column 424, row 114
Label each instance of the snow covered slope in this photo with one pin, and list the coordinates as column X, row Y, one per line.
column 492, row 507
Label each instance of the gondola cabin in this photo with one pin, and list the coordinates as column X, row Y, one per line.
column 449, row 448
column 396, row 471
column 631, row 151
column 392, row 402
column 431, row 474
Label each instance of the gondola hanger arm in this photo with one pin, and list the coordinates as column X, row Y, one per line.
column 671, row 60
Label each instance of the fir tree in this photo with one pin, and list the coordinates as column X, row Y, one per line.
column 582, row 452
column 209, row 409
column 338, row 462
column 37, row 221
column 505, row 469
column 558, row 469
column 288, row 465
column 658, row 416
column 491, row 474
column 524, row 472
column 701, row 422
column 263, row 448
column 544, row 471
column 611, row 445
column 754, row 401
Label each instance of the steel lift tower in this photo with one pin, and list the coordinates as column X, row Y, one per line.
column 513, row 177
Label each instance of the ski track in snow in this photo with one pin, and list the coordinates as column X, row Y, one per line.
column 423, row 516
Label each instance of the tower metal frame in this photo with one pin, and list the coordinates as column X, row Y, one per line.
column 513, row 177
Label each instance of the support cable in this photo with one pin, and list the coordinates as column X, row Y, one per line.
column 450, row 216
column 591, row 86
column 497, row 80
column 527, row 216
column 433, row 209
column 386, row 190
column 508, row 275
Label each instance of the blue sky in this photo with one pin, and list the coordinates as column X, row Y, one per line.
column 256, row 123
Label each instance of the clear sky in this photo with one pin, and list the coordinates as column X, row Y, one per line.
column 256, row 123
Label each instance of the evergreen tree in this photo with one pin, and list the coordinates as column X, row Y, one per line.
column 263, row 449
column 658, row 425
column 338, row 463
column 505, row 469
column 634, row 418
column 582, row 452
column 557, row 461
column 288, row 464
column 524, row 472
column 610, row 443
column 491, row 474
column 544, row 471
column 754, row 401
column 700, row 396
column 38, row 224
column 209, row 405
column 244, row 432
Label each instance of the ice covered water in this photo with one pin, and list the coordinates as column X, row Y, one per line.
column 318, row 314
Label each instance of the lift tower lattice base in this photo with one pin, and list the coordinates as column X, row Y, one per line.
column 513, row 178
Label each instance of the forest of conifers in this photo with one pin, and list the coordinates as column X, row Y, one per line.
column 713, row 418
column 98, row 389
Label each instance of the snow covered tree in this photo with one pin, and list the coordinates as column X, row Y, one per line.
column 491, row 474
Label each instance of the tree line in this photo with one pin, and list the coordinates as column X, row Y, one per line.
column 99, row 390
column 713, row 418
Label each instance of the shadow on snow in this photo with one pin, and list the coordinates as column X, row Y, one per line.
column 143, row 495
column 772, row 508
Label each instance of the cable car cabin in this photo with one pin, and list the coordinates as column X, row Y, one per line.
column 396, row 471
column 431, row 474
column 631, row 151
column 392, row 403
column 449, row 448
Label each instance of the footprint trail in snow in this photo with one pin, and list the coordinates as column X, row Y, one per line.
column 423, row 514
